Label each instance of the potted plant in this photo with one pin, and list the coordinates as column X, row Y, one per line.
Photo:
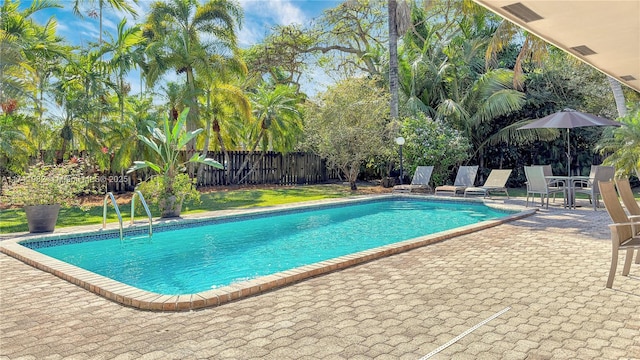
column 44, row 189
column 170, row 188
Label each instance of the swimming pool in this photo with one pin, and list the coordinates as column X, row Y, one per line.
column 246, row 254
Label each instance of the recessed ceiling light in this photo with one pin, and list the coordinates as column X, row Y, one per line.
column 522, row 12
column 583, row 50
column 627, row 78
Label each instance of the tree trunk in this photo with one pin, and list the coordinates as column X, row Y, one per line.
column 352, row 175
column 246, row 159
column 205, row 152
column 205, row 149
column 393, row 59
column 227, row 170
column 194, row 112
column 121, row 99
column 618, row 96
column 253, row 167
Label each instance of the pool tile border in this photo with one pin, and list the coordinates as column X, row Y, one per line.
column 144, row 300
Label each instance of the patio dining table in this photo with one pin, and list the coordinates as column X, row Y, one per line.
column 569, row 183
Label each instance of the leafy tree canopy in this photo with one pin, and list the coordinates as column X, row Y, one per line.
column 348, row 125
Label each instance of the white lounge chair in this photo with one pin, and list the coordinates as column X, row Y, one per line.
column 623, row 230
column 496, row 182
column 420, row 180
column 464, row 178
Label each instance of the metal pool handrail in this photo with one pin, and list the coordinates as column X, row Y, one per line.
column 104, row 212
column 146, row 208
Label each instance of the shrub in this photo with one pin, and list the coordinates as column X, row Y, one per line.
column 429, row 142
column 49, row 184
column 154, row 191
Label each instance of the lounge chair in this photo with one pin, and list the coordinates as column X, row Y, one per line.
column 629, row 201
column 537, row 184
column 420, row 180
column 589, row 185
column 464, row 178
column 496, row 182
column 623, row 230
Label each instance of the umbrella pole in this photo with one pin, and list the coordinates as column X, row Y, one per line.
column 568, row 154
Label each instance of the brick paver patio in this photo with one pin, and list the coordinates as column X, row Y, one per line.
column 549, row 269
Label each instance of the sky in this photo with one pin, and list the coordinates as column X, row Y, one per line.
column 259, row 17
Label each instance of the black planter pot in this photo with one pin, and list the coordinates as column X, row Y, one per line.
column 42, row 218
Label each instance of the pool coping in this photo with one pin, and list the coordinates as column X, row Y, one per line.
column 130, row 296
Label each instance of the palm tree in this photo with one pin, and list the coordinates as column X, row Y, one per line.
column 399, row 17
column 19, row 37
column 480, row 104
column 443, row 76
column 123, row 50
column 81, row 92
column 622, row 144
column 535, row 49
column 424, row 69
column 184, row 34
column 122, row 139
column 121, row 5
column 393, row 58
column 226, row 103
column 174, row 95
column 45, row 55
column 278, row 119
column 14, row 142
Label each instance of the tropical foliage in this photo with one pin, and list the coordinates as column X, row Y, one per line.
column 464, row 78
column 622, row 145
column 170, row 191
column 430, row 142
column 50, row 185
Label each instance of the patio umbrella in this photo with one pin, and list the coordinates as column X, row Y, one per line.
column 569, row 119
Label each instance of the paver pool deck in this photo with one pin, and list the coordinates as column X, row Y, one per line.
column 549, row 269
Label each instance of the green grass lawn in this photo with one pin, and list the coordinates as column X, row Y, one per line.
column 14, row 220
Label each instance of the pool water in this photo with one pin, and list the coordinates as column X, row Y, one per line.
column 199, row 258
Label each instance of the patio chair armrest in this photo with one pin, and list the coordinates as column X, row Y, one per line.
column 632, row 224
column 581, row 182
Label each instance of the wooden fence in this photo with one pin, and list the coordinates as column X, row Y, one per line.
column 270, row 168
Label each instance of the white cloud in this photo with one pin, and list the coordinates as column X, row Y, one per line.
column 83, row 32
column 281, row 12
column 251, row 33
column 262, row 15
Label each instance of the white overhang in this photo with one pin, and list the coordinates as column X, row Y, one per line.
column 602, row 33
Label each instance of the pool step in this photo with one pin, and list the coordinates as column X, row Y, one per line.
column 134, row 238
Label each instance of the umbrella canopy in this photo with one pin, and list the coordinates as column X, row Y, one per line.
column 569, row 119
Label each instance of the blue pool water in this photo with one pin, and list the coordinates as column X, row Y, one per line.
column 199, row 258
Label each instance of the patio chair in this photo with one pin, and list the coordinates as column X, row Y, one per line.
column 420, row 180
column 537, row 184
column 626, row 194
column 590, row 186
column 496, row 182
column 548, row 171
column 623, row 230
column 464, row 178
